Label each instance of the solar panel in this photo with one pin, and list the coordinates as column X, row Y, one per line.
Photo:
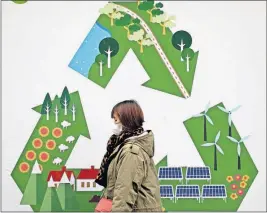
column 214, row 191
column 187, row 191
column 198, row 173
column 166, row 191
column 170, row 173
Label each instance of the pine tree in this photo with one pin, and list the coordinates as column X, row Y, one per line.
column 67, row 197
column 51, row 202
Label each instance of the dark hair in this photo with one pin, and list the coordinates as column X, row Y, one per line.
column 129, row 113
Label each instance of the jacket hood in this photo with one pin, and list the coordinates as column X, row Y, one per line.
column 145, row 141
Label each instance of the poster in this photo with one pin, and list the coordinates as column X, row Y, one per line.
column 196, row 68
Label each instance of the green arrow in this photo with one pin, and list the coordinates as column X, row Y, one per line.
column 155, row 51
column 34, row 149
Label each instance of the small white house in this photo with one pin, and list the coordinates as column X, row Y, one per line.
column 85, row 180
column 60, row 177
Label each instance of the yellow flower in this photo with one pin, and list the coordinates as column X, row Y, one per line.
column 245, row 178
column 234, row 196
column 229, row 179
column 243, row 184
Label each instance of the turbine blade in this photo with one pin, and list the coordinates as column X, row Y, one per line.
column 223, row 109
column 236, row 108
column 209, row 119
column 217, row 136
column 244, row 138
column 208, row 144
column 229, row 119
column 207, row 107
column 198, row 115
column 238, row 149
column 232, row 139
column 219, row 149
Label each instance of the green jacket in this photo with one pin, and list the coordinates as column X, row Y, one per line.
column 132, row 183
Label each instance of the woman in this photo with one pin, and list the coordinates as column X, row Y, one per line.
column 128, row 171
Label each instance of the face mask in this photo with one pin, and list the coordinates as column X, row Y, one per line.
column 117, row 128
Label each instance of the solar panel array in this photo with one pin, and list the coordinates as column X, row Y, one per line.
column 171, row 173
column 198, row 173
column 193, row 191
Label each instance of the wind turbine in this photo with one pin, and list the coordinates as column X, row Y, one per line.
column 216, row 147
column 238, row 148
column 229, row 116
column 206, row 117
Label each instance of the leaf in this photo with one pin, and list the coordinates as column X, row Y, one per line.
column 208, row 144
column 238, row 149
column 209, row 119
column 219, row 149
column 232, row 139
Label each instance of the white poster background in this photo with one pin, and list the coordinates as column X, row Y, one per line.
column 40, row 39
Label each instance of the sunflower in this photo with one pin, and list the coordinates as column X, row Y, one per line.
column 243, row 184
column 245, row 178
column 229, row 179
column 234, row 196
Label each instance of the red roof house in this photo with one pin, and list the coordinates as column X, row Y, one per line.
column 86, row 180
column 89, row 174
column 61, row 176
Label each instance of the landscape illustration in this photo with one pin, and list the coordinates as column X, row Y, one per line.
column 41, row 174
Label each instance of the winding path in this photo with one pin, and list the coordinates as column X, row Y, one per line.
column 159, row 49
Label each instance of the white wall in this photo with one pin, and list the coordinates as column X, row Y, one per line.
column 40, row 39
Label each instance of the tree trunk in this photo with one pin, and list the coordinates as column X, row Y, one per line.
column 101, row 69
column 47, row 115
column 111, row 21
column 128, row 31
column 187, row 64
column 163, row 30
column 215, row 158
column 138, row 2
column 205, row 128
column 56, row 117
column 230, row 130
column 109, row 60
column 73, row 116
column 65, row 109
column 239, row 162
column 182, row 48
column 141, row 48
column 150, row 15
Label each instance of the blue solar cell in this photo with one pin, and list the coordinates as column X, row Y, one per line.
column 198, row 173
column 187, row 191
column 214, row 191
column 170, row 173
column 166, row 191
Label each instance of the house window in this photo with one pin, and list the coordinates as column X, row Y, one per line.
column 94, row 184
column 82, row 184
column 55, row 185
column 88, row 184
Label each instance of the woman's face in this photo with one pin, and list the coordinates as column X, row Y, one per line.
column 116, row 118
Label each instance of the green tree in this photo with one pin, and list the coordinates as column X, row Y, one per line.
column 188, row 55
column 65, row 100
column 35, row 188
column 147, row 6
column 181, row 40
column 67, row 197
column 124, row 22
column 109, row 47
column 51, row 202
column 101, row 60
column 46, row 106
